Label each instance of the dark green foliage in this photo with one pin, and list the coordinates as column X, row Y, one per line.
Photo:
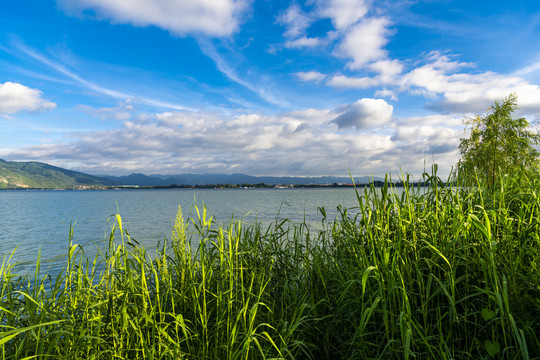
column 434, row 273
column 498, row 142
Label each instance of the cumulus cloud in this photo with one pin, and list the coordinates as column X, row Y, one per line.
column 446, row 81
column 365, row 113
column 209, row 17
column 343, row 13
column 16, row 97
column 361, row 36
column 460, row 92
column 424, row 140
column 388, row 70
column 412, row 133
column 436, row 120
column 184, row 141
column 365, row 42
column 388, row 73
column 358, row 38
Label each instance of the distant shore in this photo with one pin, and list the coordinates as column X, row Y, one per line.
column 377, row 183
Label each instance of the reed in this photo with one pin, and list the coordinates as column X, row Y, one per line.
column 428, row 273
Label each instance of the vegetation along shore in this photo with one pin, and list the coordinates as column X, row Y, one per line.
column 436, row 272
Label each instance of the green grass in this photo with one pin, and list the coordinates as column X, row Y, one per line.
column 436, row 273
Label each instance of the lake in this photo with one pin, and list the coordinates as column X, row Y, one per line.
column 36, row 220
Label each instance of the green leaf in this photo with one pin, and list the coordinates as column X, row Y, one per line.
column 488, row 314
column 492, row 347
column 8, row 335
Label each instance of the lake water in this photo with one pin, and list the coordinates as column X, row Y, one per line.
column 40, row 220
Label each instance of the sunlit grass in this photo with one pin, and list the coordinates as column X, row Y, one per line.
column 436, row 273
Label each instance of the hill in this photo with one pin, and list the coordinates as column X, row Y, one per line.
column 33, row 174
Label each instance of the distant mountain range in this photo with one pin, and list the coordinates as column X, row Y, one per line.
column 38, row 175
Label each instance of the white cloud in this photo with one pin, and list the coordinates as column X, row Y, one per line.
column 122, row 111
column 411, row 133
column 365, row 42
column 431, row 120
column 359, row 38
column 527, row 70
column 209, row 17
column 309, row 118
column 424, row 140
column 464, row 92
column 314, row 76
column 386, row 94
column 15, row 97
column 177, row 142
column 387, row 70
column 365, row 113
column 295, row 20
column 343, row 81
column 122, row 115
column 303, row 42
column 343, row 13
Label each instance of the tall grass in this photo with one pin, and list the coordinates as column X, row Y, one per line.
column 436, row 273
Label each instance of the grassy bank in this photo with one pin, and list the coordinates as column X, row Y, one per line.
column 442, row 273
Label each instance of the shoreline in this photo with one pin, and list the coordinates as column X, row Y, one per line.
column 376, row 184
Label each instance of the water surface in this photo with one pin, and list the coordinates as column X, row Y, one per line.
column 40, row 220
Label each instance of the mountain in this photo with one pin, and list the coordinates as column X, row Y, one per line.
column 213, row 179
column 40, row 175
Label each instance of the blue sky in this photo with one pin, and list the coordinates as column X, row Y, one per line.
column 300, row 88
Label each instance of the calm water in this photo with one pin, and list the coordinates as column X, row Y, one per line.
column 34, row 220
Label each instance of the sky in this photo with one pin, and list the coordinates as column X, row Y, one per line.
column 285, row 88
